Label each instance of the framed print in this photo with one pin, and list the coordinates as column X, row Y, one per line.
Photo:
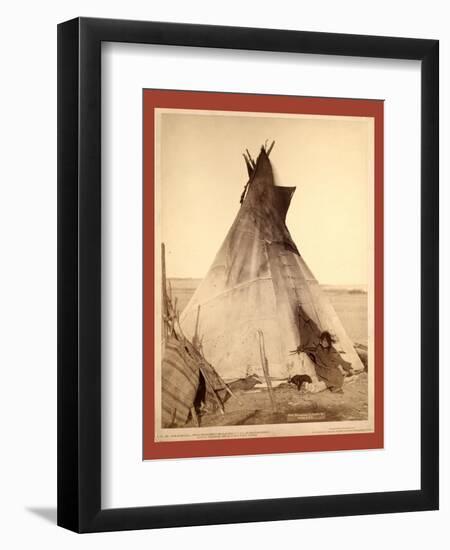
column 248, row 275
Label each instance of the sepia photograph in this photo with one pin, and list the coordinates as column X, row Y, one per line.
column 264, row 275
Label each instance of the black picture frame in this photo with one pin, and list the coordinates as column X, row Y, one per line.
column 79, row 274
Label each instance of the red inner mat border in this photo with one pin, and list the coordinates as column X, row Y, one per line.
column 173, row 99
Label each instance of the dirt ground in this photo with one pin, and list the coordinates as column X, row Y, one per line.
column 254, row 406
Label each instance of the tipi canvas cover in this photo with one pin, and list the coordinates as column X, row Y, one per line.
column 259, row 282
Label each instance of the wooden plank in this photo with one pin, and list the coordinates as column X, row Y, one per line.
column 265, row 367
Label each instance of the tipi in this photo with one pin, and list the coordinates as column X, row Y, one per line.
column 259, row 282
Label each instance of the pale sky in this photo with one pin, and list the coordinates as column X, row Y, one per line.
column 201, row 173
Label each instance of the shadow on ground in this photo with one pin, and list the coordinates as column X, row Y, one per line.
column 45, row 513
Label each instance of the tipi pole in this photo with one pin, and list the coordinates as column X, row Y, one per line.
column 195, row 417
column 228, row 389
column 165, row 306
column 270, row 148
column 252, row 162
column 196, row 337
column 218, row 401
column 265, row 367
